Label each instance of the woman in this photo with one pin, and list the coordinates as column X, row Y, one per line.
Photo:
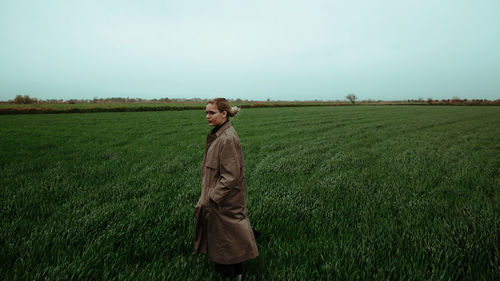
column 222, row 228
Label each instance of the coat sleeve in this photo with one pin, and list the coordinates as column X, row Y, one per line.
column 229, row 171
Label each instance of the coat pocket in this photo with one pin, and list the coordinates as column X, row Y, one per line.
column 211, row 173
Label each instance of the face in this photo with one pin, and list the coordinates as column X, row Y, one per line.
column 214, row 116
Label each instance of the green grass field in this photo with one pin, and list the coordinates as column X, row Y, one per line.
column 340, row 193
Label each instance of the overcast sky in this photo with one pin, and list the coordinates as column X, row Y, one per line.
column 288, row 50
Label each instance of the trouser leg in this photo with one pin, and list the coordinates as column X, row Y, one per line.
column 238, row 268
column 229, row 270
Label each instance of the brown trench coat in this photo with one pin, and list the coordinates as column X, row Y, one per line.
column 222, row 228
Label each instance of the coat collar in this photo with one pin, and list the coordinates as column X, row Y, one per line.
column 212, row 137
column 223, row 128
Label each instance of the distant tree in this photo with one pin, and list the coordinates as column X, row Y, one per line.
column 352, row 98
column 24, row 99
column 19, row 99
column 28, row 100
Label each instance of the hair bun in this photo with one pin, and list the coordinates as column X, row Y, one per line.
column 234, row 110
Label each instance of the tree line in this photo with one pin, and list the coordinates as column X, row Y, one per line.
column 352, row 98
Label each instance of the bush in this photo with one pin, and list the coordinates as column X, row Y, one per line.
column 24, row 99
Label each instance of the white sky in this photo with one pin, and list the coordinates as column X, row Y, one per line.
column 385, row 49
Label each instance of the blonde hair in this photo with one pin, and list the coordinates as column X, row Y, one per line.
column 223, row 105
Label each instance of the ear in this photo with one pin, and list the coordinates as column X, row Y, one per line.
column 224, row 114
